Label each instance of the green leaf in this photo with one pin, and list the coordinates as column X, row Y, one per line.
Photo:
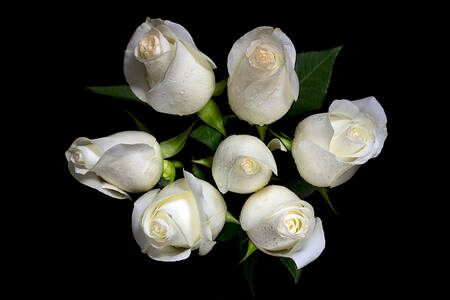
column 300, row 187
column 262, row 131
column 248, row 265
column 220, row 87
column 314, row 73
column 139, row 124
column 198, row 172
column 169, row 171
column 211, row 115
column 208, row 136
column 323, row 192
column 207, row 161
column 287, row 141
column 171, row 147
column 292, row 267
column 231, row 219
column 251, row 248
column 229, row 232
column 116, row 91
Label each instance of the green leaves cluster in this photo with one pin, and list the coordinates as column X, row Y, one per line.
column 314, row 73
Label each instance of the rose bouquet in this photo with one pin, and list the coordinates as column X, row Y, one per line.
column 184, row 205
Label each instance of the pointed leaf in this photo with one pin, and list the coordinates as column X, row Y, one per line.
column 249, row 265
column 251, row 248
column 300, row 187
column 208, row 136
column 262, row 131
column 314, row 73
column 139, row 124
column 211, row 115
column 116, row 91
column 198, row 172
column 287, row 141
column 229, row 232
column 231, row 219
column 171, row 147
column 207, row 161
column 292, row 267
column 323, row 192
column 220, row 87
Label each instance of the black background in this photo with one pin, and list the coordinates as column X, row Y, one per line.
column 65, row 240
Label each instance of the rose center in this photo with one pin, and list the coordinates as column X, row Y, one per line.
column 158, row 228
column 150, row 47
column 293, row 222
column 78, row 156
column 358, row 133
column 262, row 58
column 249, row 166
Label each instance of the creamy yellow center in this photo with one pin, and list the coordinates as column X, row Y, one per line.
column 359, row 134
column 263, row 58
column 150, row 47
column 158, row 226
column 293, row 221
column 78, row 156
column 248, row 166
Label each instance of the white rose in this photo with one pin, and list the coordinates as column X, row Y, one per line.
column 242, row 164
column 164, row 68
column 187, row 214
column 279, row 223
column 262, row 83
column 128, row 161
column 328, row 148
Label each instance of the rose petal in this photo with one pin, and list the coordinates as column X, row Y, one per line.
column 186, row 38
column 240, row 46
column 231, row 149
column 206, row 242
column 316, row 165
column 311, row 249
column 139, row 207
column 133, row 168
column 315, row 128
column 187, row 85
column 92, row 180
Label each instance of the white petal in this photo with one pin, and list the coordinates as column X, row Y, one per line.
column 133, row 168
column 343, row 109
column 311, row 249
column 215, row 208
column 241, row 45
column 183, row 217
column 135, row 73
column 276, row 144
column 233, row 148
column 264, row 203
column 168, row 254
column 93, row 181
column 316, row 165
column 206, row 242
column 241, row 183
column 186, row 38
column 291, row 53
column 139, row 207
column 315, row 128
column 187, row 86
column 371, row 107
column 261, row 101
